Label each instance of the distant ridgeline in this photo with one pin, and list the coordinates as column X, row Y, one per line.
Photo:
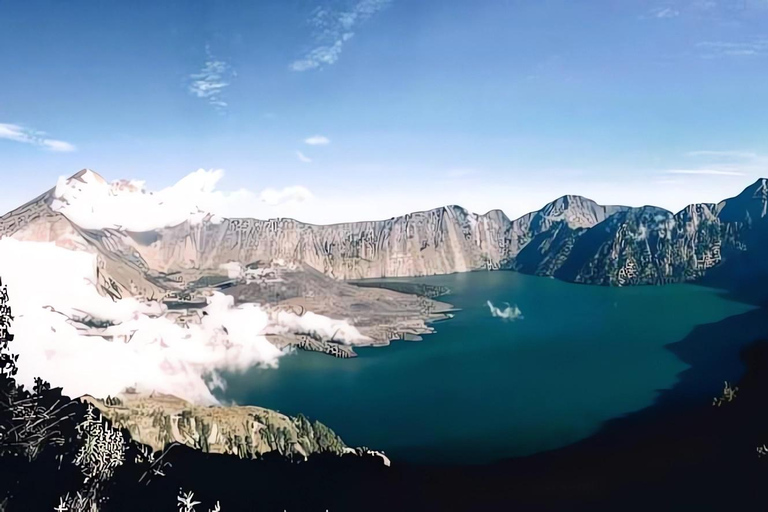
column 572, row 238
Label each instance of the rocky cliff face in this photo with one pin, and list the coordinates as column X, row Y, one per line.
column 444, row 240
column 439, row 241
column 572, row 238
column 245, row 431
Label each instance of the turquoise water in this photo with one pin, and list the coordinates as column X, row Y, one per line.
column 484, row 388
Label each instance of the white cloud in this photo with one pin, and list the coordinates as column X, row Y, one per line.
column 665, row 12
column 209, row 83
column 317, row 140
column 510, row 313
column 49, row 305
column 724, row 163
column 303, row 158
column 93, row 203
column 58, row 145
column 295, row 194
column 318, row 56
column 52, row 295
column 317, row 325
column 333, row 28
column 714, row 49
column 707, row 172
column 18, row 133
column 747, row 155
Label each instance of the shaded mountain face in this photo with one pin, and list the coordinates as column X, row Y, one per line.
column 571, row 238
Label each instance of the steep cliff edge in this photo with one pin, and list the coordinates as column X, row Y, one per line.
column 571, row 238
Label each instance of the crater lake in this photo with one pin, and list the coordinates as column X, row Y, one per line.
column 486, row 387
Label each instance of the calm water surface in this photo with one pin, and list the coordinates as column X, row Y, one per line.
column 484, row 388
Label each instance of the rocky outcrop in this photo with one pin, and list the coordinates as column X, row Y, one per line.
column 158, row 420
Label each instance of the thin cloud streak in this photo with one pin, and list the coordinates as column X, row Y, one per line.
column 209, row 83
column 705, row 172
column 723, row 49
column 288, row 195
column 665, row 12
column 317, row 140
column 745, row 155
column 332, row 29
column 303, row 158
column 18, row 133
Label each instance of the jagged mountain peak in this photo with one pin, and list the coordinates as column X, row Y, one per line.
column 757, row 190
column 760, row 185
column 576, row 211
column 87, row 176
column 497, row 214
column 750, row 205
column 572, row 233
column 572, row 200
column 458, row 210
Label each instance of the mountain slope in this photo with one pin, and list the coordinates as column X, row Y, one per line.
column 246, row 431
column 120, row 272
column 571, row 238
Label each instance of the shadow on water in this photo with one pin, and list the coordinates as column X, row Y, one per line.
column 713, row 352
column 681, row 453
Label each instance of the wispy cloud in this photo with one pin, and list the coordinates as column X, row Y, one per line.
column 664, row 12
column 510, row 313
column 296, row 194
column 209, row 83
column 303, row 158
column 93, row 203
column 18, row 133
column 747, row 155
column 722, row 162
column 706, row 172
column 716, row 49
column 332, row 29
column 704, row 5
column 317, row 140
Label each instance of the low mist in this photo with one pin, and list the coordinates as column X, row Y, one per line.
column 71, row 336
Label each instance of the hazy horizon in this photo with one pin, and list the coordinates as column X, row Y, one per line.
column 376, row 108
column 198, row 192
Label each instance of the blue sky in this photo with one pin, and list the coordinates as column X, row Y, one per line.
column 487, row 104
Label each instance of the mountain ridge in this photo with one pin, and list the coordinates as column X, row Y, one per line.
column 627, row 245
